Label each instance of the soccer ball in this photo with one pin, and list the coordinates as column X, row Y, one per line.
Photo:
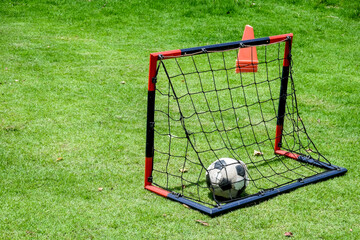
column 227, row 177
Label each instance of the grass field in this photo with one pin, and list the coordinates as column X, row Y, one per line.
column 73, row 90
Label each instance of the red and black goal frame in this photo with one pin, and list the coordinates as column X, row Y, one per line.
column 330, row 169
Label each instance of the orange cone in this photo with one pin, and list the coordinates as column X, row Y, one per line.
column 247, row 60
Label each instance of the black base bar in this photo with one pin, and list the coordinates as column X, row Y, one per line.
column 333, row 171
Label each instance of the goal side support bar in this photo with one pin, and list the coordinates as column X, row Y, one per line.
column 283, row 94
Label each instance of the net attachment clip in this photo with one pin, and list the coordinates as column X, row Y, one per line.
column 178, row 195
column 154, row 80
column 160, row 57
column 289, row 56
column 152, row 124
column 150, row 179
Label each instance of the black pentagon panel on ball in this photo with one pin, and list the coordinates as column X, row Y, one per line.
column 240, row 170
column 225, row 184
column 220, row 164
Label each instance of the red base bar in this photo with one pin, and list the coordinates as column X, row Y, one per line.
column 157, row 190
column 148, row 169
column 287, row 154
column 278, row 133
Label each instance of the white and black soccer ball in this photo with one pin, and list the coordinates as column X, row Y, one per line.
column 227, row 177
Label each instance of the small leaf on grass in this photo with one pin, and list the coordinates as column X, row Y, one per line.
column 309, row 150
column 11, row 128
column 123, row 82
column 350, row 229
column 183, row 170
column 59, row 159
column 29, row 232
column 288, row 234
column 100, row 189
column 257, row 153
column 186, row 206
column 318, row 121
column 202, row 222
column 164, row 215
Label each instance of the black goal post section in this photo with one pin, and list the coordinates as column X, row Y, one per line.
column 201, row 108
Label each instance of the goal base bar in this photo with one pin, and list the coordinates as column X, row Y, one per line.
column 332, row 171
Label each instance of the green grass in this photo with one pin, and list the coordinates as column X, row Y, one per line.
column 61, row 95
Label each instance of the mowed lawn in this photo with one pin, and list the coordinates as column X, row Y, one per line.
column 73, row 92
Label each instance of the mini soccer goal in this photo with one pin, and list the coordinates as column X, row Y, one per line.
column 234, row 100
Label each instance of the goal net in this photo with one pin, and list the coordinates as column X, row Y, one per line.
column 203, row 107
